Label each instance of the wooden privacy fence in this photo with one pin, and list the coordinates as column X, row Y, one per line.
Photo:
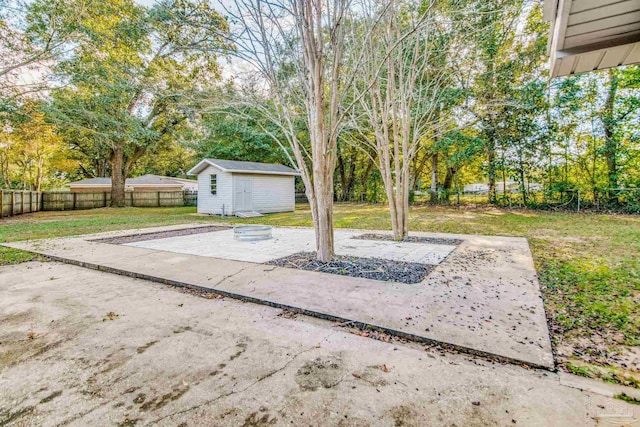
column 15, row 202
column 63, row 200
column 18, row 202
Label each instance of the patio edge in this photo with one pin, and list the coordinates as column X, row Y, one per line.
column 492, row 357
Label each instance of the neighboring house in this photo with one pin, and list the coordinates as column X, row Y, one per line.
column 227, row 187
column 589, row 35
column 187, row 184
column 141, row 183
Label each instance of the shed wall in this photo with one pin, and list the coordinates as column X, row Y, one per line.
column 272, row 193
column 213, row 204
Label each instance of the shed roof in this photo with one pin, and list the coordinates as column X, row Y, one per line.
column 235, row 166
column 153, row 180
column 589, row 35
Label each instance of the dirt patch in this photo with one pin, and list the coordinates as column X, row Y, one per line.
column 176, row 393
column 257, row 419
column 373, row 375
column 410, row 239
column 144, row 348
column 142, row 237
column 51, row 396
column 404, row 416
column 366, row 268
column 242, row 347
column 8, row 417
column 18, row 318
column 320, row 373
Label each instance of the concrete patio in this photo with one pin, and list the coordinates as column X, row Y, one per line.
column 170, row 359
column 288, row 241
column 483, row 298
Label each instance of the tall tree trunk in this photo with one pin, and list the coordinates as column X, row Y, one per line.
column 323, row 220
column 448, row 181
column 342, row 175
column 117, row 177
column 611, row 139
column 40, row 173
column 491, row 158
column 434, row 178
column 522, row 184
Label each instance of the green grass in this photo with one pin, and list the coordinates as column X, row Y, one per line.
column 589, row 264
column 627, row 398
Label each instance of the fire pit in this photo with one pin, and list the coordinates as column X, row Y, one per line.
column 252, row 232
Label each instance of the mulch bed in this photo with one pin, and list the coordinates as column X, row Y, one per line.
column 141, row 237
column 367, row 268
column 410, row 239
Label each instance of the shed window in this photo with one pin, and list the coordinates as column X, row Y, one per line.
column 214, row 184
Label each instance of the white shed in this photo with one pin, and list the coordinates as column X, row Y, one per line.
column 229, row 187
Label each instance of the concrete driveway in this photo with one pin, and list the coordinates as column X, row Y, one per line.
column 81, row 347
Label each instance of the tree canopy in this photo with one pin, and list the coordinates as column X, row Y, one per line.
column 117, row 89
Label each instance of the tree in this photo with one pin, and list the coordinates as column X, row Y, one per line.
column 617, row 109
column 135, row 79
column 401, row 86
column 505, row 54
column 31, row 153
column 297, row 48
column 232, row 136
column 26, row 59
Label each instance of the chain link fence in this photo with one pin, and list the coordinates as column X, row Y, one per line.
column 625, row 200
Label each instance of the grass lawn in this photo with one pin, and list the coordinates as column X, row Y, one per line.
column 589, row 264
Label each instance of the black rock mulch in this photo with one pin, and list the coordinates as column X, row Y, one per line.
column 410, row 239
column 367, row 268
column 141, row 237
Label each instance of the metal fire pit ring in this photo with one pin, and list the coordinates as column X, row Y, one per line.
column 250, row 233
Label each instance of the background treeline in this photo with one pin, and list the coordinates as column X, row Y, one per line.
column 112, row 88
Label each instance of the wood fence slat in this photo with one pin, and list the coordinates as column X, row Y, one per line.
column 65, row 200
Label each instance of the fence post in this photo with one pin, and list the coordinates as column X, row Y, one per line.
column 158, row 198
column 104, row 199
column 13, row 201
column 22, row 202
column 73, row 208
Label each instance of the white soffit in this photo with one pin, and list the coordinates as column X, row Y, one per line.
column 589, row 35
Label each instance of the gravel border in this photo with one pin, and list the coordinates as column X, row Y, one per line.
column 410, row 239
column 141, row 237
column 367, row 268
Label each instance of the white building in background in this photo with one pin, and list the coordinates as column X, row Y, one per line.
column 478, row 187
column 510, row 186
column 229, row 187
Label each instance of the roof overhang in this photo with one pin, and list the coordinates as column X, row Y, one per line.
column 203, row 164
column 588, row 35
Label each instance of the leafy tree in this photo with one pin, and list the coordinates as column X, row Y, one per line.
column 32, row 155
column 134, row 80
column 228, row 135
